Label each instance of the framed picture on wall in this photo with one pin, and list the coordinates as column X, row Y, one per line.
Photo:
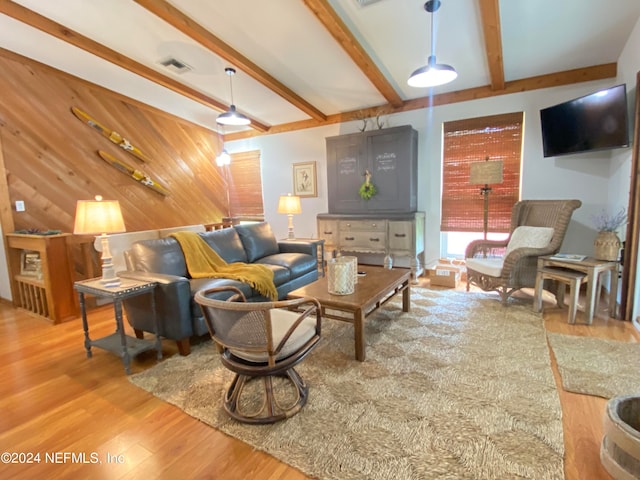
column 304, row 179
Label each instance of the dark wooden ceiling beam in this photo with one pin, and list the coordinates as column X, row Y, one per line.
column 61, row 32
column 192, row 29
column 568, row 77
column 337, row 28
column 490, row 13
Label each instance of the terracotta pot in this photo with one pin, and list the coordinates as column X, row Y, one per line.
column 607, row 246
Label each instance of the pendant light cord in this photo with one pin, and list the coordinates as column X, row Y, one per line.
column 231, row 86
column 232, row 117
column 230, row 72
column 433, row 36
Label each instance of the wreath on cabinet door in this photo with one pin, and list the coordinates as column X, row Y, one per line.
column 367, row 189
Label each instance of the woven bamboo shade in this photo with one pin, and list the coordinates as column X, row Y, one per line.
column 245, row 185
column 468, row 142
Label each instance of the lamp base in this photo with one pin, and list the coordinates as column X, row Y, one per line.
column 110, row 282
column 109, row 278
column 291, row 235
column 484, row 191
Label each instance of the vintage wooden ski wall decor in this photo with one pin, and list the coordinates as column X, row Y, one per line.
column 112, row 135
column 132, row 172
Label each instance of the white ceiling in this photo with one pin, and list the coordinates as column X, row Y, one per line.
column 286, row 40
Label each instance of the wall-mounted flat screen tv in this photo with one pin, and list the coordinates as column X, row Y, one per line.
column 594, row 122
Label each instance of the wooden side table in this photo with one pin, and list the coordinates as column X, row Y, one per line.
column 593, row 268
column 119, row 343
column 564, row 277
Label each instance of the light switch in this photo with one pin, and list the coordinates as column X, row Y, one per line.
column 20, row 206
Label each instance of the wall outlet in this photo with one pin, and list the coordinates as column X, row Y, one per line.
column 20, row 206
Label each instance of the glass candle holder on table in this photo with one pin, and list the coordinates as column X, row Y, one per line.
column 342, row 272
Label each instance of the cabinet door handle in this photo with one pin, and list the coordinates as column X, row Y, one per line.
column 328, row 233
column 349, row 238
column 374, row 239
column 374, row 225
column 400, row 235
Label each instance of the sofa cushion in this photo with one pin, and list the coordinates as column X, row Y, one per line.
column 120, row 243
column 227, row 244
column 160, row 255
column 166, row 232
column 258, row 240
column 281, row 275
column 297, row 263
column 197, row 284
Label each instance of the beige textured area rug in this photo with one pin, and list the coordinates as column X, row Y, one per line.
column 460, row 388
column 595, row 366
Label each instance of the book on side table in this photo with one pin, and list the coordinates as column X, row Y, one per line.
column 571, row 257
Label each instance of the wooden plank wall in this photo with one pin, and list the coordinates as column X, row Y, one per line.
column 51, row 160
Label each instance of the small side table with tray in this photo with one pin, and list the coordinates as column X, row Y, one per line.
column 574, row 272
column 119, row 342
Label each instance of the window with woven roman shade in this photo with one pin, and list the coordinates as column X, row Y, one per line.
column 245, row 186
column 496, row 137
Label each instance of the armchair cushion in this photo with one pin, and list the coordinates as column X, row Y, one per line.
column 529, row 237
column 486, row 266
column 281, row 321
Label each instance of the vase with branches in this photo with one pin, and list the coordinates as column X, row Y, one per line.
column 607, row 243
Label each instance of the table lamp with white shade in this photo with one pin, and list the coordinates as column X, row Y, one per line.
column 289, row 205
column 100, row 217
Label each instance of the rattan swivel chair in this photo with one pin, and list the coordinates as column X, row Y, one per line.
column 259, row 341
column 508, row 265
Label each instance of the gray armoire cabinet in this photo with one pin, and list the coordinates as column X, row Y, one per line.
column 387, row 224
column 390, row 155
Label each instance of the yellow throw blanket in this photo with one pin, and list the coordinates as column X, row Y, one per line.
column 204, row 262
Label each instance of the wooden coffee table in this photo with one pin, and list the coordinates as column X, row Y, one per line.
column 372, row 291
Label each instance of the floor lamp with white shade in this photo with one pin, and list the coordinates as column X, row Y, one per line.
column 486, row 173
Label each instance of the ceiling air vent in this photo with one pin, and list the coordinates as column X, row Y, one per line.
column 364, row 3
column 175, row 65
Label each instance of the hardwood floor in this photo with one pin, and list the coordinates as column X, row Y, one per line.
column 57, row 403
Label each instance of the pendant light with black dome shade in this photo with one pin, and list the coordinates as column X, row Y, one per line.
column 232, row 116
column 432, row 74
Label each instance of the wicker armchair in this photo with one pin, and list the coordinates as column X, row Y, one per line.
column 490, row 269
column 262, row 340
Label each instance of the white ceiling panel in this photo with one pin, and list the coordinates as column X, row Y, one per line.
column 129, row 29
column 285, row 39
column 548, row 36
column 397, row 35
column 26, row 41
